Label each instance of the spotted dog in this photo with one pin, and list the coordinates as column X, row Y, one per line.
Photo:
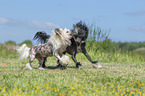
column 55, row 46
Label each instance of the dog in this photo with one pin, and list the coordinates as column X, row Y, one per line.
column 78, row 42
column 56, row 45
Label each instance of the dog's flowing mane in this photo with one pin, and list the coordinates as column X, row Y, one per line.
column 59, row 40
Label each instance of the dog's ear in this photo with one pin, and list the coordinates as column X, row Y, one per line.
column 57, row 31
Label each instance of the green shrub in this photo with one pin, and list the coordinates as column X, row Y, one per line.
column 140, row 51
column 7, row 51
column 27, row 42
column 10, row 42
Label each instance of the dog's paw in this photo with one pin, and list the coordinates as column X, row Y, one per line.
column 97, row 65
column 28, row 66
column 41, row 68
column 94, row 62
column 59, row 66
column 78, row 65
column 43, row 65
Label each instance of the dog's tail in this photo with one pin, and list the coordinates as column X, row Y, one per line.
column 23, row 51
column 41, row 36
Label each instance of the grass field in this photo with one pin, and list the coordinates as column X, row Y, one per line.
column 121, row 75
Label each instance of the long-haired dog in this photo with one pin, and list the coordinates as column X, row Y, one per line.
column 56, row 45
column 78, row 42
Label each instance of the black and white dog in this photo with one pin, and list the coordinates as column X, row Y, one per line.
column 55, row 46
column 78, row 42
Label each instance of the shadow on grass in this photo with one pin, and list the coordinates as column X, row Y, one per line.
column 56, row 67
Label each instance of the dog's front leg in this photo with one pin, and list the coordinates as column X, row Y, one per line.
column 58, row 61
column 56, row 55
column 87, row 55
column 95, row 64
column 59, row 64
column 73, row 56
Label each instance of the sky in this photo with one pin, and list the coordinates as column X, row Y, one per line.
column 21, row 19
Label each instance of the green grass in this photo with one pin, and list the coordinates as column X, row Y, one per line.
column 122, row 75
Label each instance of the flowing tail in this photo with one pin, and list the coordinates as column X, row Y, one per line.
column 23, row 51
column 41, row 36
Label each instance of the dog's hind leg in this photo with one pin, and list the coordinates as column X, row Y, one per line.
column 28, row 65
column 45, row 59
column 31, row 59
column 95, row 64
column 41, row 61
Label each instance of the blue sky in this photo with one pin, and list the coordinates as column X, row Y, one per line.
column 21, row 19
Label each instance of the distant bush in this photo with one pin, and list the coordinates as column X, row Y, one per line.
column 140, row 51
column 27, row 42
column 7, row 50
column 130, row 46
column 10, row 42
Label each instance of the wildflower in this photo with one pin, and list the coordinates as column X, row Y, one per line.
column 112, row 85
column 72, row 88
column 74, row 92
column 118, row 87
column 132, row 93
column 14, row 91
column 4, row 64
column 4, row 90
column 37, row 87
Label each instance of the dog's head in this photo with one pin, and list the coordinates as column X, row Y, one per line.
column 63, row 34
column 80, row 32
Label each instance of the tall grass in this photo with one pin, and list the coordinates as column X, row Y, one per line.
column 7, row 51
column 99, row 39
column 97, row 34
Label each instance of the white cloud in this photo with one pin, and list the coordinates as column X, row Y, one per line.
column 42, row 25
column 31, row 24
column 139, row 29
column 136, row 13
column 4, row 21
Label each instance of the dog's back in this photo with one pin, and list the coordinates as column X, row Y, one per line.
column 42, row 50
